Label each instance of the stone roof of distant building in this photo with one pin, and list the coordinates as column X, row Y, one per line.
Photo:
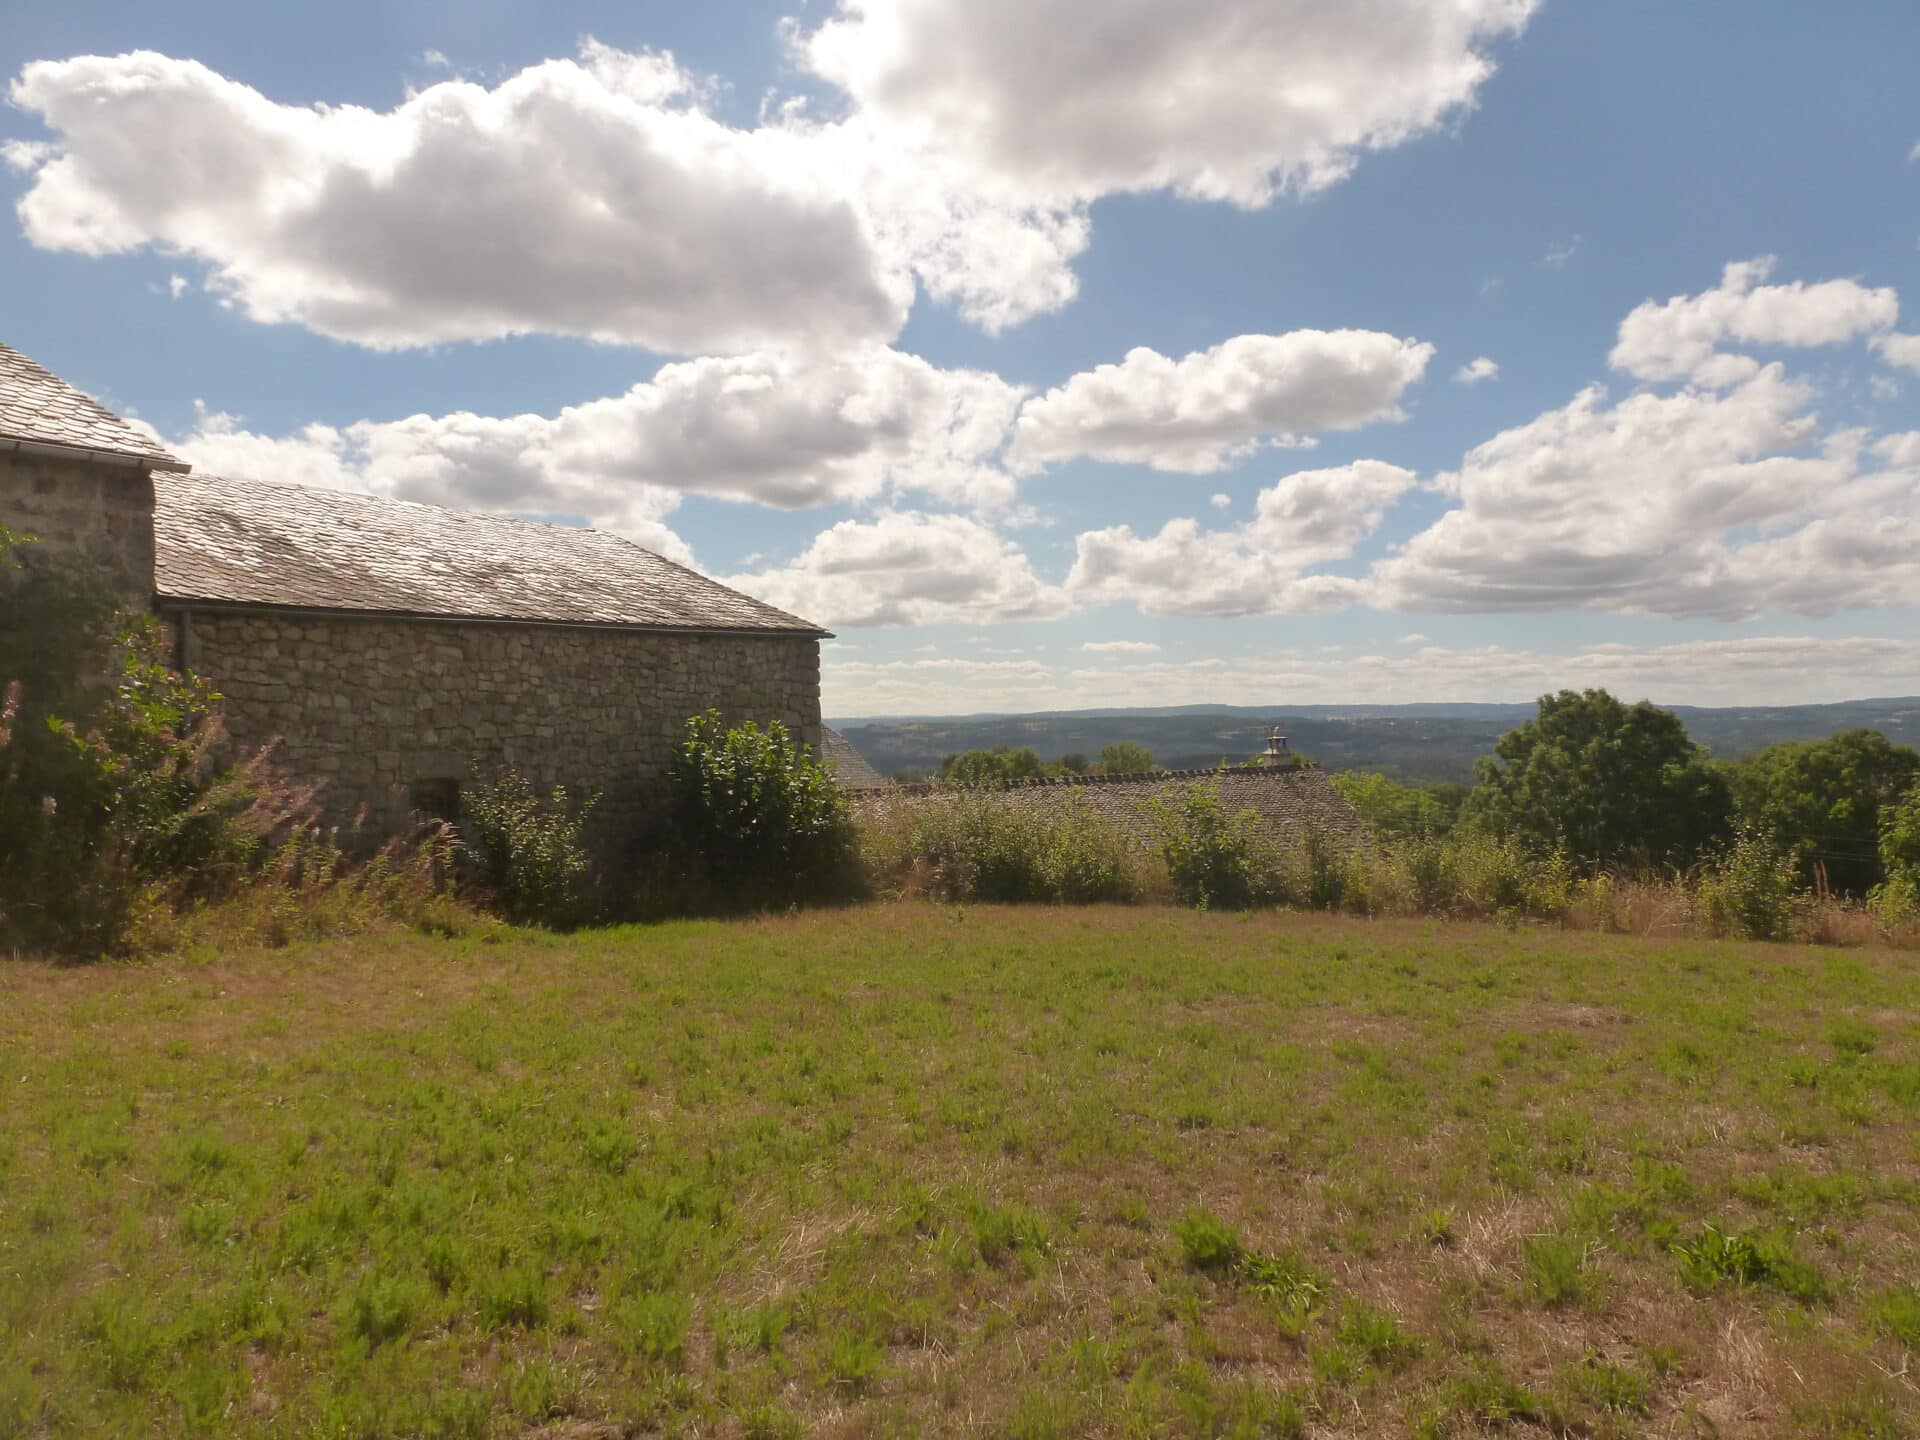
column 1292, row 801
column 223, row 542
column 39, row 409
column 850, row 766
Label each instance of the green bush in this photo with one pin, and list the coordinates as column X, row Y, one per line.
column 1498, row 875
column 1215, row 861
column 114, row 801
column 527, row 850
column 1752, row 890
column 759, row 816
column 1431, row 868
column 972, row 847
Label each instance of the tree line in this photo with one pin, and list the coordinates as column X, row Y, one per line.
column 1612, row 786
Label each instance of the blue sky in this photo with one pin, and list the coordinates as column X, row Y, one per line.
column 884, row 250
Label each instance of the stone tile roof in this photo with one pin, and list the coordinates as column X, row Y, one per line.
column 253, row 543
column 850, row 767
column 39, row 407
column 1291, row 801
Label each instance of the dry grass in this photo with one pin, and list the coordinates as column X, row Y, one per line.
column 917, row 1169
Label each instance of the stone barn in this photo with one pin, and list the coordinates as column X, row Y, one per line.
column 388, row 649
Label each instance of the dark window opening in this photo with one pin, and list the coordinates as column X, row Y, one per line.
column 437, row 799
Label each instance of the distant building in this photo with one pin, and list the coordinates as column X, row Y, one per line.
column 1291, row 797
column 387, row 647
column 849, row 765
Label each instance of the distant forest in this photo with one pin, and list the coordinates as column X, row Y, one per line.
column 1408, row 742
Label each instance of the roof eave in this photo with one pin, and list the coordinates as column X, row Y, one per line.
column 54, row 450
column 165, row 600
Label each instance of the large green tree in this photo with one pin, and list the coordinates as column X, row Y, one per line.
column 1125, row 757
column 1603, row 783
column 1001, row 765
column 1822, row 800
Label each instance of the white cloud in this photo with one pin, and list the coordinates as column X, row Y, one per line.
column 597, row 197
column 1220, row 500
column 1739, row 670
column 1201, row 413
column 1901, row 350
column 178, row 285
column 1416, row 638
column 1474, row 371
column 1676, row 339
column 1260, row 568
column 906, row 568
column 587, row 197
column 1214, row 99
column 777, row 429
column 1121, row 647
column 1705, row 502
column 1559, row 253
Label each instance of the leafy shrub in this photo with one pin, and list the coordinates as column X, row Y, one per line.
column 114, row 801
column 759, row 814
column 1432, row 870
column 1215, row 861
column 966, row 846
column 527, row 850
column 1499, row 875
column 1752, row 890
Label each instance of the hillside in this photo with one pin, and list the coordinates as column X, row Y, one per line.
column 1411, row 742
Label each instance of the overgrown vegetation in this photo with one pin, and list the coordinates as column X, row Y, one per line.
column 114, row 803
column 529, row 852
column 966, row 846
column 905, row 1170
column 758, row 817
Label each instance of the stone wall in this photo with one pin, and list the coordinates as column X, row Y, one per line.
column 378, row 710
column 99, row 514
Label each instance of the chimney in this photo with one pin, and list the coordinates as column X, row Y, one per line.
column 1277, row 751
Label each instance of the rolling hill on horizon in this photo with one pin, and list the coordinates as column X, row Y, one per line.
column 1414, row 742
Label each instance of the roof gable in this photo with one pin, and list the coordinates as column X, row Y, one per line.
column 38, row 408
column 222, row 542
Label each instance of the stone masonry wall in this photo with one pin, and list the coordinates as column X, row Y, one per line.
column 99, row 514
column 374, row 708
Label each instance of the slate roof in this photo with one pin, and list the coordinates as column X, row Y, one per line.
column 1291, row 801
column 224, row 542
column 39, row 407
column 850, row 767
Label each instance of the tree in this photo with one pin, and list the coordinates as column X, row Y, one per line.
column 1900, row 838
column 1125, row 757
column 1822, row 800
column 1074, row 763
column 1401, row 812
column 1001, row 765
column 1603, row 783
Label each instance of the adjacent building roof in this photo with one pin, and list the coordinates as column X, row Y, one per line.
column 1292, row 801
column 39, row 409
column 850, row 767
column 248, row 543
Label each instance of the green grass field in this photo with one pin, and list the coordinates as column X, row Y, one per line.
column 1000, row 1172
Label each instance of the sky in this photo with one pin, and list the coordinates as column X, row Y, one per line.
column 1054, row 355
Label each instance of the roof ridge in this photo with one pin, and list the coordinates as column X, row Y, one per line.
column 417, row 504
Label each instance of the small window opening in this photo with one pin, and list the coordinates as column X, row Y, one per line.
column 437, row 800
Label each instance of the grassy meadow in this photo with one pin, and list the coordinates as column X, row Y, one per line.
column 1002, row 1172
